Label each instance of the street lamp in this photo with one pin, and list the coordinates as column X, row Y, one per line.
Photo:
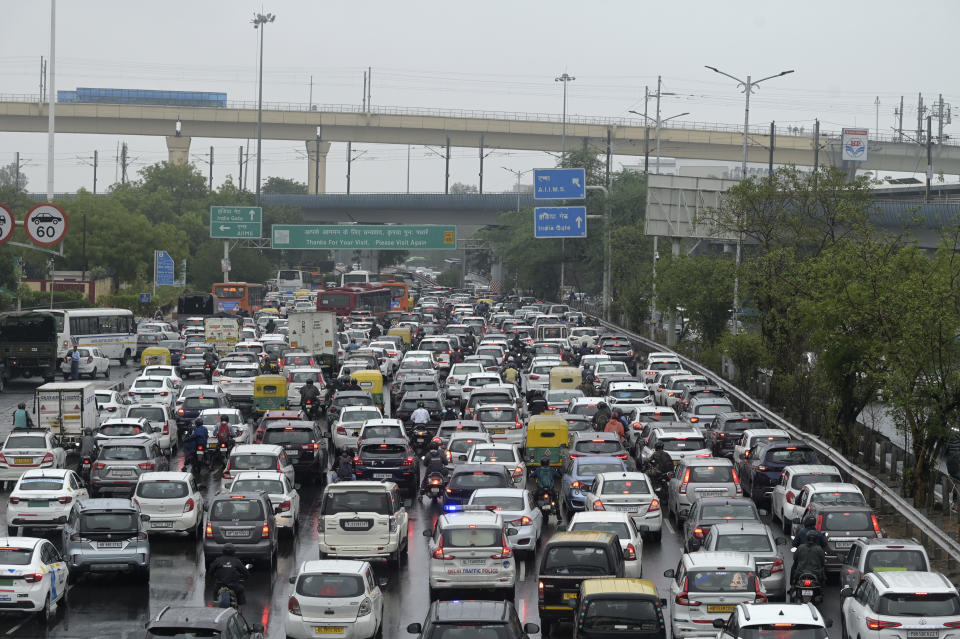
column 563, row 132
column 518, row 174
column 658, row 122
column 747, row 85
column 260, row 19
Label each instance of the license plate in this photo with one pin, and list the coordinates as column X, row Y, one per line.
column 23, row 460
column 121, row 473
column 721, row 608
column 382, row 475
column 293, row 453
column 569, row 595
column 923, row 633
column 5, row 598
column 843, row 545
column 109, row 544
column 6, row 582
column 497, row 431
column 39, row 504
column 473, row 562
column 626, row 509
column 161, row 524
column 806, row 593
column 147, row 396
column 328, row 630
column 234, row 533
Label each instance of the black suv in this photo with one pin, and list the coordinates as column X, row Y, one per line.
column 724, row 432
column 201, row 621
column 304, row 444
column 190, row 409
column 466, row 478
column 764, row 466
column 499, row 618
column 432, row 401
column 244, row 520
column 388, row 458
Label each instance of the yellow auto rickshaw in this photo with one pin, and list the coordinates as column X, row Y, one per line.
column 372, row 382
column 547, row 436
column 565, row 377
column 269, row 393
column 155, row 356
column 403, row 332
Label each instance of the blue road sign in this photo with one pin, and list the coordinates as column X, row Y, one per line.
column 560, row 221
column 559, row 184
column 164, row 269
column 144, row 298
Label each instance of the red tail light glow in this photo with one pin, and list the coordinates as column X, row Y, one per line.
column 880, row 624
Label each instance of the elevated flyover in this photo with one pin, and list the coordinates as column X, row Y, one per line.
column 474, row 129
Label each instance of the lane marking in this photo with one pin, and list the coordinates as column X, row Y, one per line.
column 666, row 522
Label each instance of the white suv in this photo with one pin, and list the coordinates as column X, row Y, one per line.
column 362, row 519
column 172, row 500
column 890, row 605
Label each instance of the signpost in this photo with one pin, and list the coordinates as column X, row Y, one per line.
column 854, row 145
column 364, row 237
column 7, row 224
column 236, row 222
column 144, row 298
column 559, row 184
column 162, row 269
column 46, row 224
column 559, row 221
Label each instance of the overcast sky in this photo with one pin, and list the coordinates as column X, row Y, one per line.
column 494, row 55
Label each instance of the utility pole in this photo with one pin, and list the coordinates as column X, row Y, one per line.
column 876, row 126
column 246, row 161
column 349, row 161
column 773, row 135
column 16, row 174
column 316, row 166
column 210, row 181
column 408, row 168
column 920, row 117
column 658, row 122
column 369, row 88
column 123, row 163
column 480, row 189
column 43, row 80
column 900, row 125
column 94, row 180
column 311, row 93
column 51, row 108
column 563, row 131
column 363, row 100
column 940, row 120
column 926, row 197
column 446, row 181
column 646, row 131
column 816, row 149
column 259, row 22
column 240, row 164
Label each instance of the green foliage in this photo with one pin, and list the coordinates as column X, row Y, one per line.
column 703, row 287
column 283, row 185
column 450, row 278
column 9, row 175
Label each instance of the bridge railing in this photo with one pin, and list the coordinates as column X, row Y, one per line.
column 688, row 125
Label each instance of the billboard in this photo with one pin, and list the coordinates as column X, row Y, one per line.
column 854, row 145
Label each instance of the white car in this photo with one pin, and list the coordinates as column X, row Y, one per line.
column 172, row 500
column 297, row 379
column 256, row 457
column 25, row 563
column 92, row 362
column 283, row 495
column 629, row 493
column 518, row 510
column 385, row 427
column 211, row 420
column 459, row 444
column 126, row 428
column 164, row 371
column 824, row 493
column 474, row 381
column 783, row 501
column 42, row 499
column 110, row 402
column 150, row 390
column 627, row 394
column 334, row 597
column 538, row 377
column 458, row 375
column 346, row 428
column 236, row 380
column 27, row 449
column 621, row 525
column 469, row 550
column 670, row 387
column 506, row 455
column 750, row 620
column 362, row 519
column 161, row 418
column 891, row 605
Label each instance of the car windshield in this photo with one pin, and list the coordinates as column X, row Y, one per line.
column 783, row 631
column 122, row 453
column 461, row 445
column 898, row 604
column 576, row 560
column 721, row 581
column 330, row 585
column 855, row 520
column 478, row 398
column 744, row 543
column 162, row 489
column 355, row 400
column 359, row 416
column 243, row 461
column 494, row 455
column 148, row 383
column 411, row 404
column 356, row 501
column 108, row 522
column 792, row 455
column 211, row 419
column 496, row 414
column 801, row 480
column 684, row 443
column 584, row 409
column 503, row 502
column 282, row 436
column 448, row 431
column 597, row 446
column 630, row 393
column 619, row 615
column 478, row 479
column 711, row 474
column 604, row 368
column 854, row 499
column 121, row 430
column 240, row 509
column 713, row 409
column 383, row 431
column 383, row 450
column 239, row 372
column 201, row 403
column 419, row 387
column 15, row 556
column 618, row 528
column 40, row 483
column 883, row 560
column 625, row 487
column 303, row 377
column 417, row 364
column 590, row 470
column 727, row 511
column 26, row 441
column 150, row 414
column 269, row 486
column 473, row 537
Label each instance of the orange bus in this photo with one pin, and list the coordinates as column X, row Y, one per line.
column 234, row 296
column 399, row 295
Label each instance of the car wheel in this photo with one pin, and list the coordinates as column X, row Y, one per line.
column 93, row 373
column 46, row 613
column 106, row 373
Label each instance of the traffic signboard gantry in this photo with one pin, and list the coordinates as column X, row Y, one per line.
column 384, row 237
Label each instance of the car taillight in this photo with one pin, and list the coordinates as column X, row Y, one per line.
column 517, row 425
column 35, row 577
column 265, row 531
column 164, row 394
column 66, row 499
column 819, row 522
column 790, row 496
column 777, row 566
column 189, row 505
column 654, row 506
column 285, row 506
column 532, row 376
column 683, row 484
column 518, row 472
column 598, row 505
column 208, row 532
column 952, row 624
column 47, row 459
column 760, row 598
column 408, row 461
column 540, row 589
column 880, row 624
column 14, row 500
column 3, row 460
column 523, row 521
column 180, row 412
column 147, row 466
column 621, row 456
column 293, row 607
column 876, row 526
column 505, row 553
column 99, row 466
column 341, row 430
column 630, row 553
column 449, row 492
column 439, row 554
column 683, row 598
column 694, row 420
column 699, row 532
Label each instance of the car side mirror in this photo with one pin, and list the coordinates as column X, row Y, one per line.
column 144, row 517
column 512, row 531
column 846, row 591
column 414, row 628
column 719, row 623
column 427, row 533
column 531, row 628
column 383, row 582
column 669, row 573
column 764, row 573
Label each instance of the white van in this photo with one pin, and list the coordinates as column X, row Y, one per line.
column 362, row 520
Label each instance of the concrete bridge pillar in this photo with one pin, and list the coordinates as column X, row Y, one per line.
column 178, row 149
column 317, row 166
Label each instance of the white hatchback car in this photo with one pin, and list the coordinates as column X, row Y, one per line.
column 172, row 500
column 518, row 510
column 350, row 420
column 297, row 379
column 42, row 499
column 256, row 457
column 335, row 597
column 92, row 362
column 25, row 563
column 506, row 455
column 26, row 449
column 629, row 493
column 283, row 495
column 621, row 525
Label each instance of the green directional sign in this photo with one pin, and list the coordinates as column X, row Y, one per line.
column 236, row 222
column 364, row 237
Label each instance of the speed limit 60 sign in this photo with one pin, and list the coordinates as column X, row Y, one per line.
column 46, row 224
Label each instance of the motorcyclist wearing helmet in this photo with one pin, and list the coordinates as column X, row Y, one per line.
column 421, row 415
column 309, row 391
column 21, row 417
column 660, row 460
column 434, row 463
column 809, row 559
column 809, row 525
column 197, row 438
column 546, row 476
column 449, row 412
column 228, row 570
column 601, row 417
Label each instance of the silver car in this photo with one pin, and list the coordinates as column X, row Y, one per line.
column 755, row 538
column 106, row 535
column 697, row 477
column 120, row 462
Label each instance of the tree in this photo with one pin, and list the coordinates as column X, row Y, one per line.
column 703, row 287
column 275, row 185
column 450, row 278
column 459, row 188
column 9, row 175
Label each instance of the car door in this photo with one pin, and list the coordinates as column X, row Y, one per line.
column 375, row 594
column 779, row 495
column 850, row 570
column 50, row 556
column 75, row 487
column 288, row 488
column 399, row 512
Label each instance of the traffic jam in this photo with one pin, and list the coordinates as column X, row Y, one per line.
column 468, row 466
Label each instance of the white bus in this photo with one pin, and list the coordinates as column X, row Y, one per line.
column 112, row 330
column 355, row 277
column 291, row 281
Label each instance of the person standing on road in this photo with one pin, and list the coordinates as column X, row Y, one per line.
column 21, row 417
column 75, row 363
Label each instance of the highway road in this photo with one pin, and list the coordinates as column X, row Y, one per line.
column 109, row 606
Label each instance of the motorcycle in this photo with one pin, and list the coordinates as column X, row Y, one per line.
column 434, row 486
column 208, row 372
column 226, row 597
column 806, row 588
column 547, row 503
column 660, row 481
column 420, row 440
column 311, row 409
column 85, row 465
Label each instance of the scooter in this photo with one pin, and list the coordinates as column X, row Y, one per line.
column 546, row 503
column 434, row 486
column 806, row 588
column 86, row 463
column 311, row 410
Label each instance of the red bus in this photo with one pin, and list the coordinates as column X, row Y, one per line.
column 233, row 296
column 343, row 301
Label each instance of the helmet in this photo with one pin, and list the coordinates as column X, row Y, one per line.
column 224, row 418
column 419, row 404
column 602, row 405
column 813, row 537
column 22, row 405
column 198, row 421
column 809, row 521
column 545, row 461
column 615, row 413
column 344, row 379
column 658, row 446
column 229, row 550
column 448, row 403
column 434, row 445
column 88, row 431
column 309, row 382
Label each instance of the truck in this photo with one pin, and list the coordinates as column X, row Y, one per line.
column 28, row 345
column 66, row 408
column 315, row 332
column 222, row 332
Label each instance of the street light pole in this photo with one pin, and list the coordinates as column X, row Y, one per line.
column 563, row 131
column 260, row 19
column 747, row 85
column 518, row 174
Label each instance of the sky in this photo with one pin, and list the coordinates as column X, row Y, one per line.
column 494, row 55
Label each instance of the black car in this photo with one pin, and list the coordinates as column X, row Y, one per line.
column 413, row 383
column 190, row 409
column 707, row 511
column 390, row 459
column 305, row 445
column 431, row 400
column 245, row 520
column 201, row 621
column 619, row 348
column 489, row 618
column 466, row 478
column 724, row 432
column 762, row 472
